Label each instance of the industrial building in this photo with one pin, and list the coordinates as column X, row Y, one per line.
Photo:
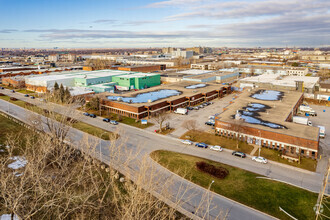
column 277, row 81
column 166, row 97
column 136, row 81
column 282, row 70
column 264, row 117
column 98, row 81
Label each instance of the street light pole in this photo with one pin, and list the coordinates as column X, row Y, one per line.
column 208, row 201
column 259, row 142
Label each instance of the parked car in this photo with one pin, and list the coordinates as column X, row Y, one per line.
column 210, row 103
column 203, row 145
column 209, row 123
column 106, row 119
column 201, row 106
column 113, row 122
column 26, row 95
column 190, row 108
column 86, row 114
column 239, row 154
column 216, row 148
column 32, row 97
column 196, row 108
column 13, row 91
column 92, row 115
column 260, row 159
column 205, row 104
column 2, row 88
column 188, row 142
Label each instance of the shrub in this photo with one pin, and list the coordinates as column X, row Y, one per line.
column 218, row 172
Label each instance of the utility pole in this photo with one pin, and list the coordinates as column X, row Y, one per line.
column 322, row 200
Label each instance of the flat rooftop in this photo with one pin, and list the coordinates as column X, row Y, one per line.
column 195, row 71
column 137, row 75
column 177, row 90
column 274, row 115
column 277, row 79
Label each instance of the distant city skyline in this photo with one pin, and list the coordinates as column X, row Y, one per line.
column 169, row 23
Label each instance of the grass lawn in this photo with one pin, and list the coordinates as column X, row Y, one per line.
column 121, row 119
column 79, row 125
column 274, row 155
column 212, row 139
column 166, row 132
column 24, row 91
column 243, row 186
column 98, row 132
column 7, row 126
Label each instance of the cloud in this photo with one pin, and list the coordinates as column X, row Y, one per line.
column 7, row 31
column 243, row 9
column 95, row 34
column 108, row 21
column 172, row 3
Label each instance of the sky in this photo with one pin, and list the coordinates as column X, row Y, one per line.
column 164, row 23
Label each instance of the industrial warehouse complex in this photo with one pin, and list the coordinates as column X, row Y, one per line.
column 264, row 117
column 97, row 81
column 168, row 97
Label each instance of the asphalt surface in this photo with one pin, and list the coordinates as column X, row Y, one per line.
column 143, row 142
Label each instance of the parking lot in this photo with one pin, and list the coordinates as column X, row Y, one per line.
column 323, row 119
column 201, row 116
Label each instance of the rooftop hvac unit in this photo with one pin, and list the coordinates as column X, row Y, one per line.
column 119, row 99
column 149, row 100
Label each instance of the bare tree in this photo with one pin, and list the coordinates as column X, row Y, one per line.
column 190, row 125
column 160, row 119
column 99, row 64
column 237, row 127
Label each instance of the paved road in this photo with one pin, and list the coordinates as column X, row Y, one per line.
column 190, row 194
column 149, row 141
column 145, row 142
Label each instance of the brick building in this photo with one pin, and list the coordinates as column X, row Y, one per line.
column 268, row 123
column 143, row 68
column 182, row 94
column 16, row 82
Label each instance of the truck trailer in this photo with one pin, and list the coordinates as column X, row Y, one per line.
column 322, row 131
column 301, row 120
column 182, row 111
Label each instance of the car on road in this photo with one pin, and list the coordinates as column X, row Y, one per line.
column 92, row 115
column 32, row 97
column 26, row 95
column 113, row 122
column 106, row 119
column 216, row 148
column 209, row 123
column 13, row 91
column 203, row 145
column 239, row 154
column 260, row 160
column 188, row 142
column 86, row 114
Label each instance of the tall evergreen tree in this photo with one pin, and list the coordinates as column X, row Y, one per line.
column 62, row 92
column 67, row 94
column 56, row 86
